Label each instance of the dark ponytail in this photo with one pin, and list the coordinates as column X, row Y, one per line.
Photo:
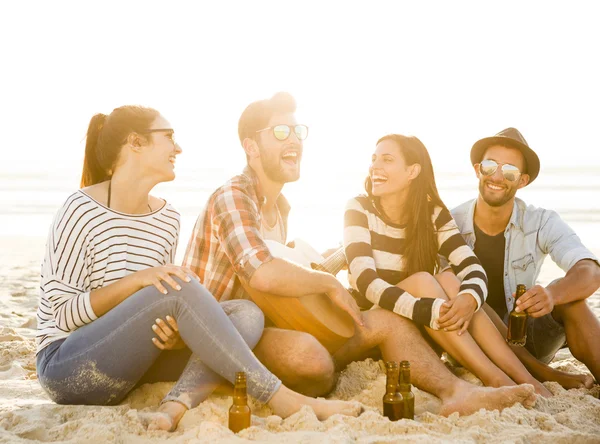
column 105, row 137
column 92, row 170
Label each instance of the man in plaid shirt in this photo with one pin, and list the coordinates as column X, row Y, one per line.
column 227, row 247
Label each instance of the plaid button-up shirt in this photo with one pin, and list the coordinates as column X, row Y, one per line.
column 226, row 243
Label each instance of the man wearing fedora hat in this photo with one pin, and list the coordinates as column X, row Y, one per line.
column 512, row 239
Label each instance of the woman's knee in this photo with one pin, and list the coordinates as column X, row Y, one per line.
column 247, row 318
column 449, row 283
column 423, row 285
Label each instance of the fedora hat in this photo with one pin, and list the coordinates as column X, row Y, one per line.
column 510, row 137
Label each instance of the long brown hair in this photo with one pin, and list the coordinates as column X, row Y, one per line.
column 105, row 137
column 421, row 247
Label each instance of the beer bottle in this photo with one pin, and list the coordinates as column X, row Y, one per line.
column 517, row 322
column 393, row 407
column 405, row 389
column 239, row 412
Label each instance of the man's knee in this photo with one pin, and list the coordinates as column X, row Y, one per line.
column 570, row 312
column 294, row 354
column 312, row 360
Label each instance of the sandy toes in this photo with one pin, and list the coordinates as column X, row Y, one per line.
column 287, row 402
column 469, row 400
column 167, row 418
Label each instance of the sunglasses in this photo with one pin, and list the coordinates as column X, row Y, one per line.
column 489, row 167
column 282, row 132
column 170, row 133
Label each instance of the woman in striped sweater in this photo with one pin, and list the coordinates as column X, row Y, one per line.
column 108, row 281
column 393, row 238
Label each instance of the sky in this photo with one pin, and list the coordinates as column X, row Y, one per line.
column 447, row 72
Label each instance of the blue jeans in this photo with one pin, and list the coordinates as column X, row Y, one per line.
column 101, row 362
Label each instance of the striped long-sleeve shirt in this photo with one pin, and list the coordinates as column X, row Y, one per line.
column 90, row 246
column 374, row 250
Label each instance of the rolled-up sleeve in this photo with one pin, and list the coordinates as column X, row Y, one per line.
column 236, row 223
column 558, row 239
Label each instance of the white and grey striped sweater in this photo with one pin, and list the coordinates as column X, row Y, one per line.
column 374, row 252
column 90, row 246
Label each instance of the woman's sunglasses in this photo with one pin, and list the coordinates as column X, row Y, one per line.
column 282, row 132
column 489, row 167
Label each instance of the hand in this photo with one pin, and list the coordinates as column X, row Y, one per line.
column 457, row 313
column 340, row 297
column 156, row 275
column 537, row 302
column 168, row 334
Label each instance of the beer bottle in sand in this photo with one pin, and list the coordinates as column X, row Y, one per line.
column 239, row 412
column 393, row 407
column 517, row 322
column 405, row 389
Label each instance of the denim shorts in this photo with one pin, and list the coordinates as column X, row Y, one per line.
column 545, row 337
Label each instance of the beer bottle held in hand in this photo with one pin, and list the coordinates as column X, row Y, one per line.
column 517, row 322
column 405, row 389
column 393, row 407
column 239, row 412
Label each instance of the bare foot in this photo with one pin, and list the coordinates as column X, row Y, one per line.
column 468, row 399
column 570, row 380
column 168, row 416
column 286, row 402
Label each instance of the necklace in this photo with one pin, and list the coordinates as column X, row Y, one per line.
column 109, row 188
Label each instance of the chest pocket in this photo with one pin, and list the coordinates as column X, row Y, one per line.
column 524, row 270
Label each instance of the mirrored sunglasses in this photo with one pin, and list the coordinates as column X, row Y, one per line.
column 488, row 168
column 282, row 132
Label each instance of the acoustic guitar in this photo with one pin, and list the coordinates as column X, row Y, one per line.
column 316, row 313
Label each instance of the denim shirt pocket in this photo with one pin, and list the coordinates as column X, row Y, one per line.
column 524, row 270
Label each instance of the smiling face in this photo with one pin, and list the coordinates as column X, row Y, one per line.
column 388, row 171
column 158, row 157
column 495, row 189
column 280, row 159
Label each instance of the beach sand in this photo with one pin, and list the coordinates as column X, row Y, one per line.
column 27, row 415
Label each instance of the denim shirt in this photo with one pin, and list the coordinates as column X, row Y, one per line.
column 531, row 234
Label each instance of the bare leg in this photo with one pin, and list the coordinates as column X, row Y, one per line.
column 489, row 339
column 298, row 359
column 583, row 330
column 399, row 339
column 539, row 370
column 464, row 348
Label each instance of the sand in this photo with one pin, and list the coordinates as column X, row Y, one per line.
column 27, row 415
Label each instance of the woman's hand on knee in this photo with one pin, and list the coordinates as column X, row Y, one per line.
column 157, row 275
column 168, row 332
column 457, row 313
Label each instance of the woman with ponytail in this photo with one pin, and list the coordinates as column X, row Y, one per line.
column 394, row 237
column 108, row 284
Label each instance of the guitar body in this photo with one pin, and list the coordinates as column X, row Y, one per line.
column 314, row 314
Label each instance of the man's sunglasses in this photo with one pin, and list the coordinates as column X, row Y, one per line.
column 489, row 167
column 282, row 132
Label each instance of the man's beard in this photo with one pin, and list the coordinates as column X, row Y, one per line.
column 495, row 201
column 273, row 169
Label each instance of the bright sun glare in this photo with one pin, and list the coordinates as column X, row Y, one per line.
column 449, row 73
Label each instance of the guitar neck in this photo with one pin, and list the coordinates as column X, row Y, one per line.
column 333, row 264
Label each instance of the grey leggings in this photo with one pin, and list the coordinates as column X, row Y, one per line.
column 101, row 362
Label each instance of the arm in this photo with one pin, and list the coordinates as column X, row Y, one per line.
column 461, row 258
column 568, row 252
column 364, row 277
column 235, row 223
column 582, row 277
column 580, row 282
column 473, row 290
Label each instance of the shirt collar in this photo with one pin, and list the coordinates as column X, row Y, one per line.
column 516, row 218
